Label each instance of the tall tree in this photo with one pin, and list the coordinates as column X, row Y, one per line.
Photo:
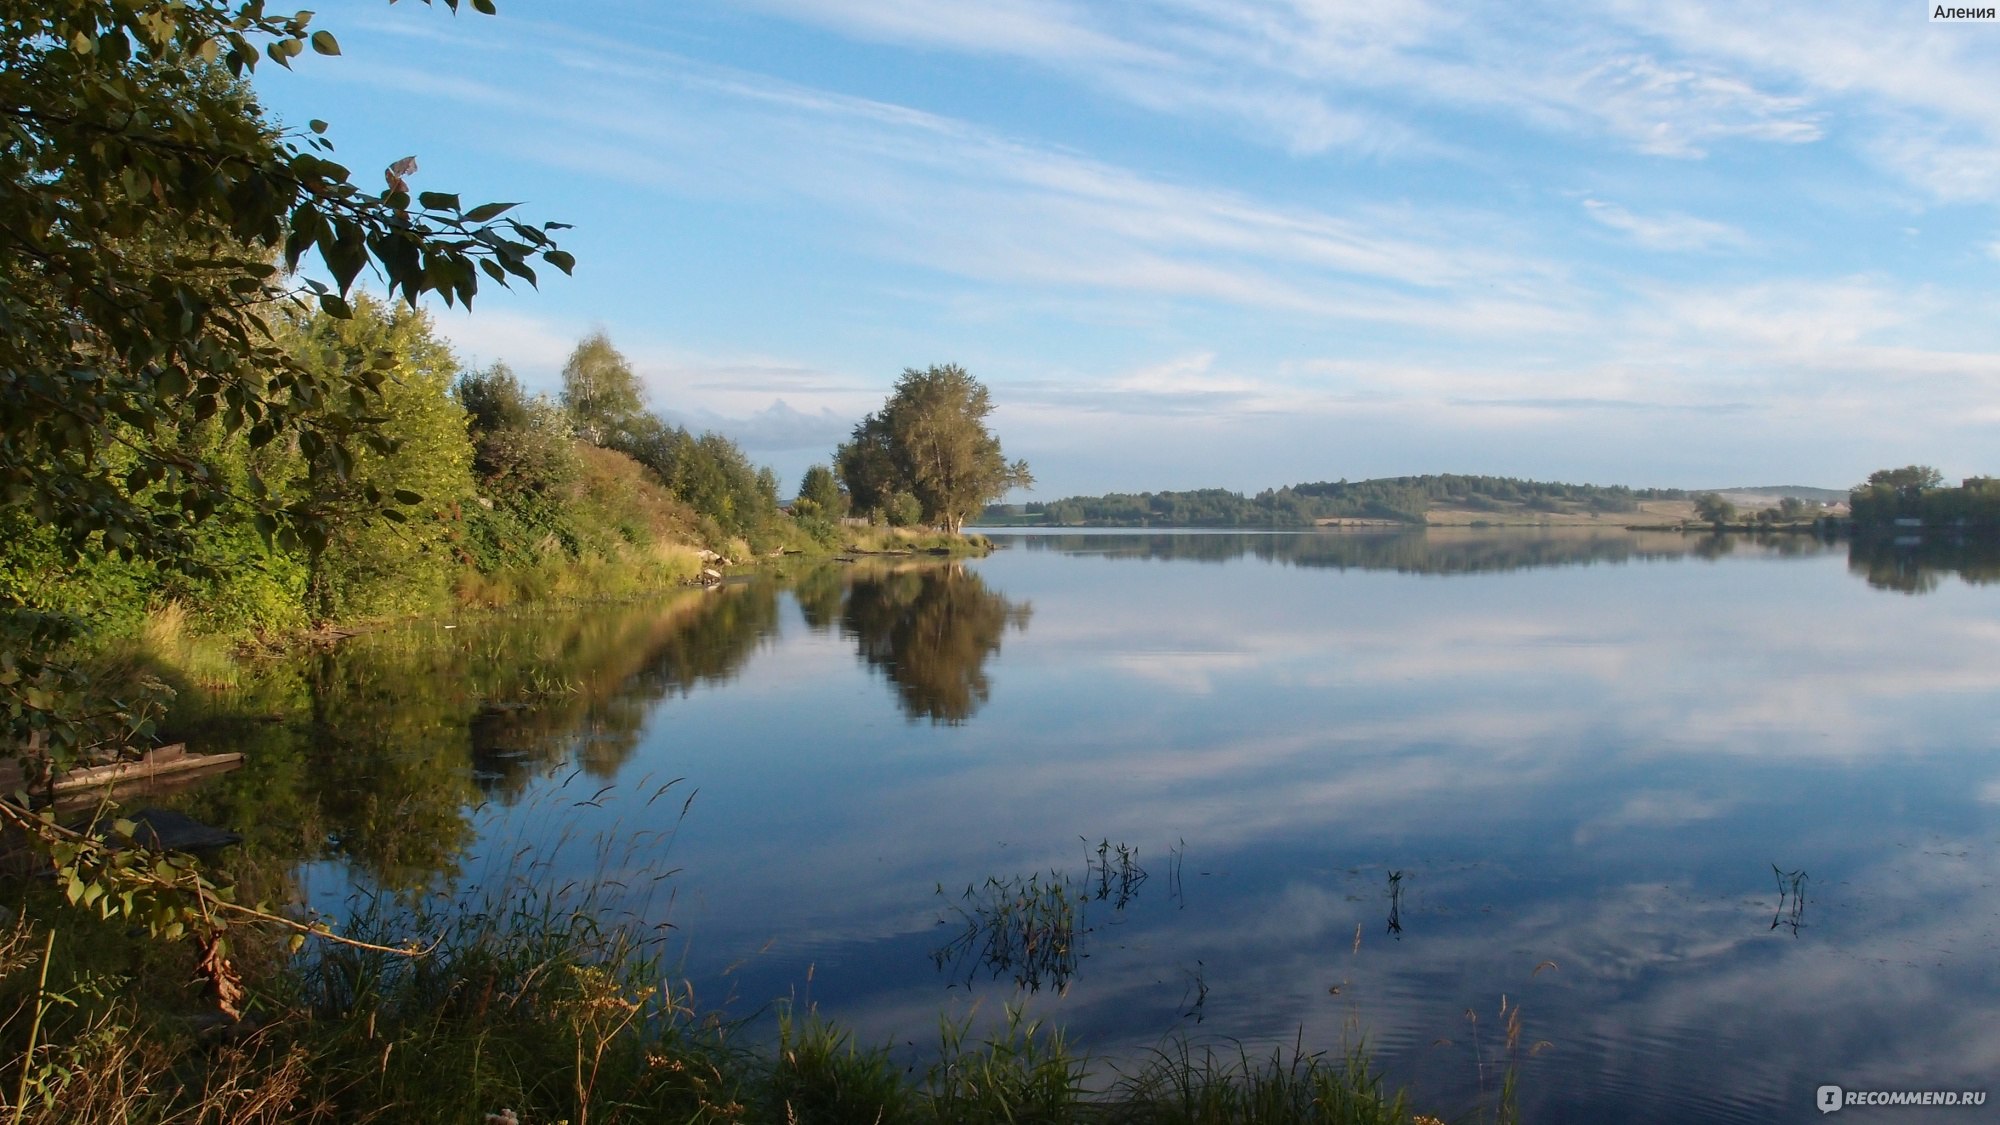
column 601, row 392
column 399, row 564
column 522, row 446
column 1713, row 508
column 867, row 466
column 1910, row 480
column 931, row 441
column 820, row 495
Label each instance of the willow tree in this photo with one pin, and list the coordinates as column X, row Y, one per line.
column 930, row 440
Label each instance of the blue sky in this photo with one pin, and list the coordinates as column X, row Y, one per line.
column 1242, row 243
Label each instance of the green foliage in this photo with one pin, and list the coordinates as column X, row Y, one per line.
column 1713, row 508
column 1916, row 492
column 54, row 705
column 929, row 443
column 821, row 1074
column 154, row 222
column 867, row 467
column 901, row 509
column 1180, row 1086
column 373, row 567
column 1025, row 1073
column 522, row 446
column 712, row 475
column 1397, row 499
column 492, row 399
column 601, row 392
column 153, row 217
column 1911, row 480
column 100, row 589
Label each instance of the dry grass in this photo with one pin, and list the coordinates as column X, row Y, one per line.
column 877, row 539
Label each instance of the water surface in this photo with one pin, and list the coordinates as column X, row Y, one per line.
column 1717, row 817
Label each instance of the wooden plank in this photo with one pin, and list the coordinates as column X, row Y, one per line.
column 145, row 769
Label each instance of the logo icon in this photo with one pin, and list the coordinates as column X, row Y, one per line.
column 1830, row 1099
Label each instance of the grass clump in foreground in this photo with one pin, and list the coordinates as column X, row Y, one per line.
column 529, row 1006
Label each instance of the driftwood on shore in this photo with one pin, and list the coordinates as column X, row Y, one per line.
column 162, row 768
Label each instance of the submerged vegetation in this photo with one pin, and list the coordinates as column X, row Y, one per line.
column 527, row 1006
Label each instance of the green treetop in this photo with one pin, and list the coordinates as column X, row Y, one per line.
column 930, row 442
column 601, row 392
column 820, row 495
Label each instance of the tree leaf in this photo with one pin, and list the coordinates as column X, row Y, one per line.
column 486, row 212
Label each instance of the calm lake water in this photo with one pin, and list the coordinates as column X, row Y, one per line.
column 1720, row 819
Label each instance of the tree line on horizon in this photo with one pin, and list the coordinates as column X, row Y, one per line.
column 1404, row 499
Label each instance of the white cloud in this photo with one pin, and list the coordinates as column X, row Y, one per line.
column 1047, row 30
column 1920, row 95
column 1175, row 293
column 1665, row 232
column 1291, row 70
column 777, row 427
column 943, row 194
column 535, row 347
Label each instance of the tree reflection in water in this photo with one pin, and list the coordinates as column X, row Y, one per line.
column 1919, row 565
column 377, row 751
column 1439, row 550
column 929, row 628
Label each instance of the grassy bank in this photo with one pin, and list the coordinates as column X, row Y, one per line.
column 875, row 539
column 531, row 1009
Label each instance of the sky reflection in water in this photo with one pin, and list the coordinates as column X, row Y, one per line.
column 1596, row 751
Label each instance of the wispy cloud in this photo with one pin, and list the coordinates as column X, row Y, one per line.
column 1665, row 232
column 1401, row 230
column 944, row 194
column 1919, row 95
column 1311, row 75
column 777, row 427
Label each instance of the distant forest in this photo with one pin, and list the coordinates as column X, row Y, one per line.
column 1399, row 499
column 1917, row 494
